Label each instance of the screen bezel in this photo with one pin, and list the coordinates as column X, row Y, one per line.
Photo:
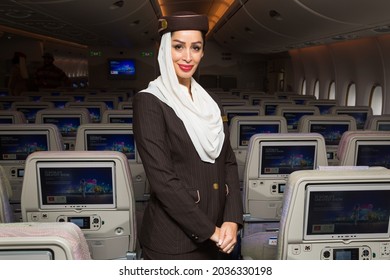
column 67, row 116
column 37, row 107
column 80, row 164
column 302, row 112
column 352, row 113
column 7, row 117
column 241, row 112
column 46, row 133
column 119, row 116
column 121, row 76
column 380, row 122
column 241, row 123
column 360, row 143
column 341, row 187
column 88, row 132
column 287, row 143
column 90, row 107
column 329, row 123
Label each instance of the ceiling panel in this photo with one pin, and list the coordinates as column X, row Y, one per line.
column 364, row 12
column 253, row 25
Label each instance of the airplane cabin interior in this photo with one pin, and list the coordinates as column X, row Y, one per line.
column 304, row 90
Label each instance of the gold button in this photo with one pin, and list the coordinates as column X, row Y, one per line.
column 215, row 186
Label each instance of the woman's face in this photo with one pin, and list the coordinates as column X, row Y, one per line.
column 187, row 51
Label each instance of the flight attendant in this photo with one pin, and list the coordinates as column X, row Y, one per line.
column 195, row 206
column 19, row 75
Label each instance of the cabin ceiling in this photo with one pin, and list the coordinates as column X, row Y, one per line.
column 249, row 26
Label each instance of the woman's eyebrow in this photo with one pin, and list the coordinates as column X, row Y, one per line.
column 178, row 41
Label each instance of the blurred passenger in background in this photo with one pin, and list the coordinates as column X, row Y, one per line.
column 19, row 76
column 49, row 75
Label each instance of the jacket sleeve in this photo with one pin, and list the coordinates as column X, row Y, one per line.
column 233, row 211
column 151, row 139
column 233, row 207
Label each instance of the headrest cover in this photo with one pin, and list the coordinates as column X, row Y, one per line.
column 183, row 21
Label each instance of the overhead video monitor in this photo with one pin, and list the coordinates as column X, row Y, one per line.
column 373, row 153
column 17, row 145
column 111, row 140
column 80, row 185
column 347, row 211
column 121, row 68
column 246, row 129
column 281, row 158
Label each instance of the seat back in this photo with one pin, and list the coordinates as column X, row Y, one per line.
column 242, row 128
column 293, row 113
column 300, row 99
column 125, row 105
column 92, row 189
column 250, row 110
column 336, row 214
column 30, row 108
column 331, row 127
column 378, row 122
column 17, row 141
column 6, row 101
column 95, row 108
column 6, row 212
column 234, row 101
column 11, row 116
column 111, row 101
column 58, row 101
column 42, row 241
column 324, row 105
column 365, row 147
column 67, row 120
column 269, row 105
column 272, row 157
column 118, row 116
column 115, row 137
column 360, row 113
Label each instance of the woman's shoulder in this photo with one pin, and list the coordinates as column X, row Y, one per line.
column 144, row 95
column 146, row 99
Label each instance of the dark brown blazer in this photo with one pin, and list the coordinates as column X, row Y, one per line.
column 189, row 197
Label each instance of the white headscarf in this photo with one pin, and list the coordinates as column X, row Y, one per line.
column 200, row 114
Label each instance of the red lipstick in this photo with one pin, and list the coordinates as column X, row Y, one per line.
column 185, row 67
